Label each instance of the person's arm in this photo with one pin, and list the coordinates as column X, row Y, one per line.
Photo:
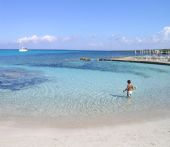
column 134, row 88
column 125, row 89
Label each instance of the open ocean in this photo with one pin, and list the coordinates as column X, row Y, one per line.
column 55, row 83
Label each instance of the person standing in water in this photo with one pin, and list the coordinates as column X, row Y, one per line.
column 129, row 88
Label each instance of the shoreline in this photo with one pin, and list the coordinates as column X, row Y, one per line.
column 92, row 121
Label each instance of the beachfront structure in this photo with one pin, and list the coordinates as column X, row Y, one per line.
column 153, row 51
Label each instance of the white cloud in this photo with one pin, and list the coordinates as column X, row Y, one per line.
column 49, row 38
column 42, row 39
column 160, row 37
column 126, row 40
column 67, row 38
column 139, row 40
column 166, row 33
column 37, row 39
column 100, row 44
column 166, row 30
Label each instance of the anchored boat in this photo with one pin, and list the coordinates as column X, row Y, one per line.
column 23, row 49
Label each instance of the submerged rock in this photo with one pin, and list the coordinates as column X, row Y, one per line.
column 17, row 79
column 85, row 59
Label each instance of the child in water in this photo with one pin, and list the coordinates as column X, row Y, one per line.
column 129, row 88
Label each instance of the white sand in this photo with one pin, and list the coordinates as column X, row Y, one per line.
column 145, row 134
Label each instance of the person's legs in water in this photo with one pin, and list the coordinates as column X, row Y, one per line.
column 129, row 93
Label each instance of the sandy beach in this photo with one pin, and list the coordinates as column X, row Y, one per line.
column 144, row 134
column 142, row 130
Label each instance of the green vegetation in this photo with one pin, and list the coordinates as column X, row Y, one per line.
column 165, row 51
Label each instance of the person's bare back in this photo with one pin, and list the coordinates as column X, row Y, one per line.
column 129, row 88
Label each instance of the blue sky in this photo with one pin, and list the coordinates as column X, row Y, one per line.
column 85, row 24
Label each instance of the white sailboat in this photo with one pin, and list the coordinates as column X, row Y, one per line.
column 23, row 49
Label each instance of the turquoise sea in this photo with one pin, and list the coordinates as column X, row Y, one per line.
column 55, row 83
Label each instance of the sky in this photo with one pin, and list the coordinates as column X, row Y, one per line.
column 85, row 24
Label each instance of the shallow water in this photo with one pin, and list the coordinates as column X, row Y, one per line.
column 57, row 84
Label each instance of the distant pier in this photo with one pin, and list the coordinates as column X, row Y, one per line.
column 140, row 59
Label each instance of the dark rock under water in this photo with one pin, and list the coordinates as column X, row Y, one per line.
column 17, row 79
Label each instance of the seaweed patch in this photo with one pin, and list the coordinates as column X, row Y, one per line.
column 17, row 79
